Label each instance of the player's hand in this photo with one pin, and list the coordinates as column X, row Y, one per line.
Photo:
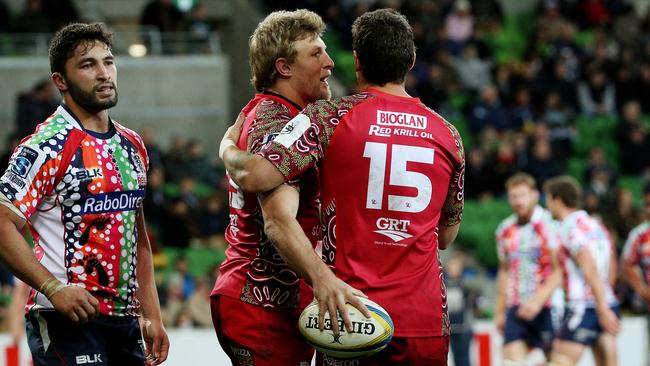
column 529, row 309
column 232, row 134
column 156, row 342
column 608, row 320
column 76, row 303
column 332, row 294
column 500, row 322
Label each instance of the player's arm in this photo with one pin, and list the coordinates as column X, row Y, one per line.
column 502, row 283
column 631, row 270
column 72, row 301
column 532, row 307
column 606, row 317
column 252, row 173
column 154, row 332
column 279, row 208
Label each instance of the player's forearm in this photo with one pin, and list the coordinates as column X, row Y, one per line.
column 295, row 248
column 447, row 235
column 633, row 276
column 547, row 288
column 252, row 173
column 501, row 292
column 17, row 255
column 590, row 274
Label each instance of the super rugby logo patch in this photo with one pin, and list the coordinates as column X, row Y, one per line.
column 24, row 162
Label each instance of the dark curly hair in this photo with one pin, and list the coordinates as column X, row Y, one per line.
column 67, row 39
column 383, row 40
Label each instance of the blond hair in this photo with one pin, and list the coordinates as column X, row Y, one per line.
column 275, row 37
column 521, row 178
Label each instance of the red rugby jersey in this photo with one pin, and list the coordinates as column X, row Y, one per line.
column 390, row 169
column 253, row 270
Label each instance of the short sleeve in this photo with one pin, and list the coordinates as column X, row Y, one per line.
column 452, row 211
column 30, row 176
column 301, row 142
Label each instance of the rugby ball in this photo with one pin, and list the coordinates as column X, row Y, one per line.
column 368, row 336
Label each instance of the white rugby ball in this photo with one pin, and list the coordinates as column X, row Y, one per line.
column 368, row 336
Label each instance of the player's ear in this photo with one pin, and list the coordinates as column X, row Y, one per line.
column 59, row 81
column 412, row 62
column 357, row 64
column 283, row 67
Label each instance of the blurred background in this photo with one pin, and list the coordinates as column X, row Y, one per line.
column 542, row 86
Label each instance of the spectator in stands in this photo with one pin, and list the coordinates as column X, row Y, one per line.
column 597, row 96
column 626, row 77
column 551, row 20
column 459, row 26
column 34, row 106
column 154, row 199
column 559, row 119
column 175, row 160
column 433, row 91
column 623, row 216
column 643, row 88
column 474, row 72
column 480, row 178
column 521, row 113
column 153, row 150
column 542, row 165
column 633, row 140
column 197, row 163
column 567, row 49
column 595, row 13
column 600, row 177
column 178, row 228
column 636, row 255
column 489, row 112
column 200, row 29
column 214, row 219
column 60, row 13
column 564, row 83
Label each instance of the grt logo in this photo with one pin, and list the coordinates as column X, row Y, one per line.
column 399, row 119
column 113, row 202
column 393, row 228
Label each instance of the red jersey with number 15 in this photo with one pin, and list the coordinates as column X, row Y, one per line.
column 392, row 171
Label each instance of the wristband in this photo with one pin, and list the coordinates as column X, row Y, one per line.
column 51, row 286
column 225, row 143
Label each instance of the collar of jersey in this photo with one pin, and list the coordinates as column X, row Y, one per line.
column 71, row 118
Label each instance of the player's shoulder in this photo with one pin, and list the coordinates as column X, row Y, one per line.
column 640, row 230
column 505, row 224
column 50, row 136
column 339, row 105
column 128, row 133
column 265, row 109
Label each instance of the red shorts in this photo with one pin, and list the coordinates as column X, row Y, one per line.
column 411, row 351
column 255, row 336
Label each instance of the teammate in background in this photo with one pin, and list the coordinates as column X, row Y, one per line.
column 591, row 315
column 391, row 183
column 636, row 255
column 529, row 272
column 257, row 299
column 78, row 183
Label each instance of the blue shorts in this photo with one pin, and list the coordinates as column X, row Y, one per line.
column 537, row 333
column 581, row 325
column 54, row 340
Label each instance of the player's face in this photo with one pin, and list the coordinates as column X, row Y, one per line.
column 311, row 69
column 522, row 199
column 91, row 77
column 551, row 205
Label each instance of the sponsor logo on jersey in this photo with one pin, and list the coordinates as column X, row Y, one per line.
column 24, row 162
column 395, row 229
column 14, row 180
column 293, row 130
column 139, row 170
column 88, row 174
column 401, row 119
column 113, row 202
column 88, row 359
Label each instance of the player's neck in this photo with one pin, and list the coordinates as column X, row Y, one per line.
column 284, row 89
column 565, row 212
column 388, row 88
column 96, row 122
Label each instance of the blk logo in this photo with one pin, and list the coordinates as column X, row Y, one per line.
column 88, row 359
